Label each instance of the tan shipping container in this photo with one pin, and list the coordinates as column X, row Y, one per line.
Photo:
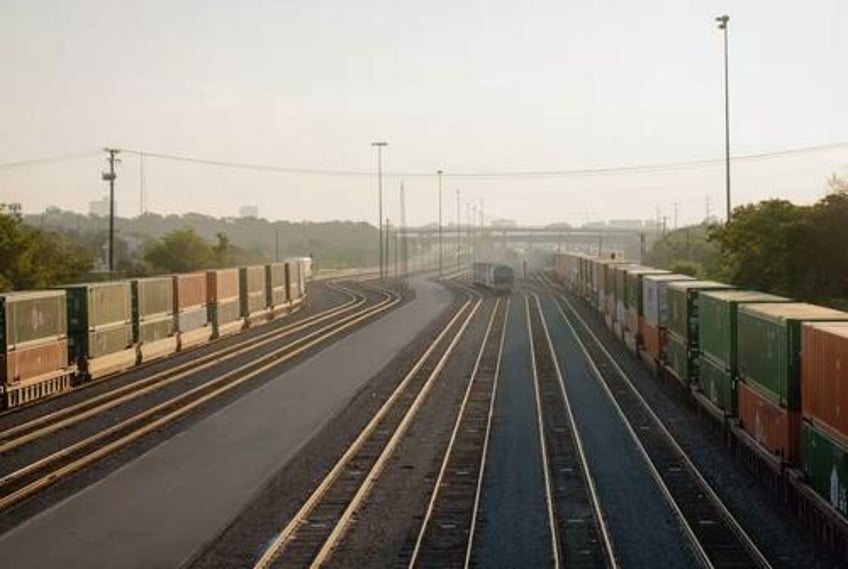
column 94, row 305
column 33, row 363
column 824, row 377
column 32, row 317
column 153, row 296
column 222, row 285
column 190, row 290
column 775, row 428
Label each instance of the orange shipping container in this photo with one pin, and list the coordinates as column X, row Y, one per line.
column 824, row 377
column 773, row 427
column 37, row 362
column 190, row 290
column 651, row 338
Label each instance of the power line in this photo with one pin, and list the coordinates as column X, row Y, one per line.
column 643, row 168
column 51, row 159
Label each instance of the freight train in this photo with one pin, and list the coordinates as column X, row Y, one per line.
column 499, row 278
column 771, row 371
column 52, row 340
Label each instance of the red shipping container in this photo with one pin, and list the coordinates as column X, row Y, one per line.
column 773, row 427
column 824, row 377
column 38, row 362
column 651, row 338
column 190, row 290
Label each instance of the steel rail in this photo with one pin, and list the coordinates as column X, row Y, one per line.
column 285, row 537
column 465, row 414
column 49, row 423
column 706, row 496
column 265, row 363
column 604, row 537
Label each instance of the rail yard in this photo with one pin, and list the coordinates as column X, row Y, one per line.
column 445, row 422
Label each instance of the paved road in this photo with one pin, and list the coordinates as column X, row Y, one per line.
column 158, row 509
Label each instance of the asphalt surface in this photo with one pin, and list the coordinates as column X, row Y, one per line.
column 513, row 526
column 159, row 509
column 643, row 529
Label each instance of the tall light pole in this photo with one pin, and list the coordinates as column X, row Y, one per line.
column 722, row 25
column 380, row 145
column 440, row 172
column 110, row 177
column 458, row 232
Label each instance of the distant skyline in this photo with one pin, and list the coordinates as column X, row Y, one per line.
column 473, row 86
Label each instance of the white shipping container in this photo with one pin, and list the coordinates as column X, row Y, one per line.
column 655, row 297
column 188, row 320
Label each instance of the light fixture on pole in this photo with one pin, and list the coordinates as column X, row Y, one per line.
column 722, row 25
column 380, row 145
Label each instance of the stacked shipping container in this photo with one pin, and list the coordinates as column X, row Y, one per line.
column 769, row 354
column 154, row 323
column 100, row 328
column 654, row 321
column 223, row 301
column 192, row 316
column 33, row 346
column 717, row 369
column 824, row 410
column 633, row 305
column 254, row 294
column 682, row 342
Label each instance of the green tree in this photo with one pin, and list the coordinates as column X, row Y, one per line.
column 31, row 258
column 761, row 246
column 180, row 251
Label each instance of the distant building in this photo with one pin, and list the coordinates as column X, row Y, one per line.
column 503, row 223
column 101, row 207
column 249, row 211
column 626, row 223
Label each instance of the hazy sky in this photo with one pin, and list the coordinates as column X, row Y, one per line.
column 465, row 86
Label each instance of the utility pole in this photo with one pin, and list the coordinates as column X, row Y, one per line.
column 458, row 233
column 380, row 145
column 440, row 172
column 110, row 177
column 722, row 25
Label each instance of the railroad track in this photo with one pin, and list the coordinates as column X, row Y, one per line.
column 447, row 532
column 716, row 537
column 39, row 474
column 580, row 536
column 314, row 532
column 65, row 417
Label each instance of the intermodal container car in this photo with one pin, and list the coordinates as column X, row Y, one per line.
column 619, row 310
column 824, row 461
column 223, row 301
column 717, row 317
column 297, row 279
column 100, row 328
column 154, row 312
column 192, row 317
column 769, row 347
column 654, row 318
column 34, row 360
column 824, row 378
column 606, row 285
column 254, row 295
column 633, row 304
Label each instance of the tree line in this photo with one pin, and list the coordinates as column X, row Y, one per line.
column 773, row 246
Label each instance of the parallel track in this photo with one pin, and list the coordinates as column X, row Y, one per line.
column 44, row 472
column 43, row 425
column 311, row 536
column 717, row 538
column 447, row 532
column 580, row 534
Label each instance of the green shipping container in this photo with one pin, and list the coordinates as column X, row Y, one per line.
column 769, row 347
column 98, row 304
column 678, row 357
column 825, row 463
column 717, row 315
column 718, row 385
column 683, row 307
column 32, row 317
